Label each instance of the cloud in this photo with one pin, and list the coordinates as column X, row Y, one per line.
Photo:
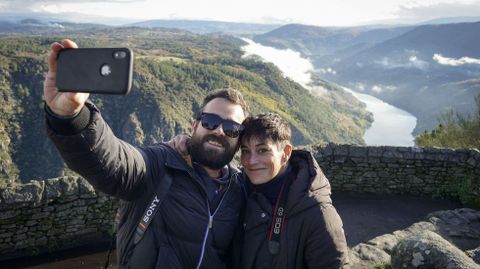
column 454, row 62
column 13, row 6
column 328, row 70
column 412, row 62
column 43, row 2
column 358, row 86
column 318, row 90
column 423, row 12
column 383, row 88
column 290, row 62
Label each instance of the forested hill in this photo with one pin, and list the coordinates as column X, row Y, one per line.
column 173, row 72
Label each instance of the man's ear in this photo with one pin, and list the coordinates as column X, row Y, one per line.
column 287, row 152
column 194, row 125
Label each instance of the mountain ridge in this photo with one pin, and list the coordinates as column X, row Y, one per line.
column 206, row 26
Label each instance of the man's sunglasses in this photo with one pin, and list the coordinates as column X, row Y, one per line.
column 212, row 121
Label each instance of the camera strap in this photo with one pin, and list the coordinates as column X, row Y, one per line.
column 160, row 194
column 278, row 218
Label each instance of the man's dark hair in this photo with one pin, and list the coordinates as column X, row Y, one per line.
column 267, row 126
column 229, row 94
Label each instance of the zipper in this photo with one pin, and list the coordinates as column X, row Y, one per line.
column 210, row 216
column 210, row 220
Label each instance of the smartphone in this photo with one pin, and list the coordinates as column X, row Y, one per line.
column 95, row 70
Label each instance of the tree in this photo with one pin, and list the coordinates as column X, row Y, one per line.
column 454, row 131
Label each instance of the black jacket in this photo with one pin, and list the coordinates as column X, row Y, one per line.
column 313, row 235
column 179, row 235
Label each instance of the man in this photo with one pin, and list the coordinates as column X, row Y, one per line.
column 196, row 221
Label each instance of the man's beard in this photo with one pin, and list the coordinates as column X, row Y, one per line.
column 210, row 157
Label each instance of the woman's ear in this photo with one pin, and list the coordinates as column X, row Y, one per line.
column 287, row 152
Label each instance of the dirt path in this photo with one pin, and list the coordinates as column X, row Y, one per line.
column 366, row 216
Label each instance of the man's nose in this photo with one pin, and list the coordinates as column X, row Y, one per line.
column 219, row 130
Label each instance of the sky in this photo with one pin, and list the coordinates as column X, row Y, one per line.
column 312, row 12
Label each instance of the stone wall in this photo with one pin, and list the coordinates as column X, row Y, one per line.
column 54, row 214
column 402, row 170
column 65, row 212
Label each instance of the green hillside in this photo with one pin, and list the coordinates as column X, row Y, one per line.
column 173, row 72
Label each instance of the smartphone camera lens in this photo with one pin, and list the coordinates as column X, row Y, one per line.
column 119, row 55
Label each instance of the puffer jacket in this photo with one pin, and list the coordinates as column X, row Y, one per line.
column 313, row 235
column 179, row 235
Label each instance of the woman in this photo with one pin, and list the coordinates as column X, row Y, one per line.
column 289, row 219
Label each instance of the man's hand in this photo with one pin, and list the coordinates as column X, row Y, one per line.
column 63, row 104
column 179, row 143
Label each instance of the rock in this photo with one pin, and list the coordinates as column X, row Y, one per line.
column 415, row 228
column 360, row 152
column 384, row 242
column 371, row 253
column 429, row 250
column 62, row 187
column 460, row 226
column 356, row 263
column 474, row 254
column 26, row 193
column 364, row 256
column 85, row 189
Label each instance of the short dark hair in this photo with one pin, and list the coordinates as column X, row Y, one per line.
column 232, row 95
column 267, row 126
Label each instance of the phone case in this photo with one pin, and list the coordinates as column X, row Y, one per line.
column 95, row 70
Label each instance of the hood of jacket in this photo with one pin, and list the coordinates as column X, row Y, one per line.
column 310, row 186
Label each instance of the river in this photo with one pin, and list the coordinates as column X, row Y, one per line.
column 391, row 126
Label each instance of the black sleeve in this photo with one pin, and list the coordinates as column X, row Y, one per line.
column 92, row 150
column 68, row 125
